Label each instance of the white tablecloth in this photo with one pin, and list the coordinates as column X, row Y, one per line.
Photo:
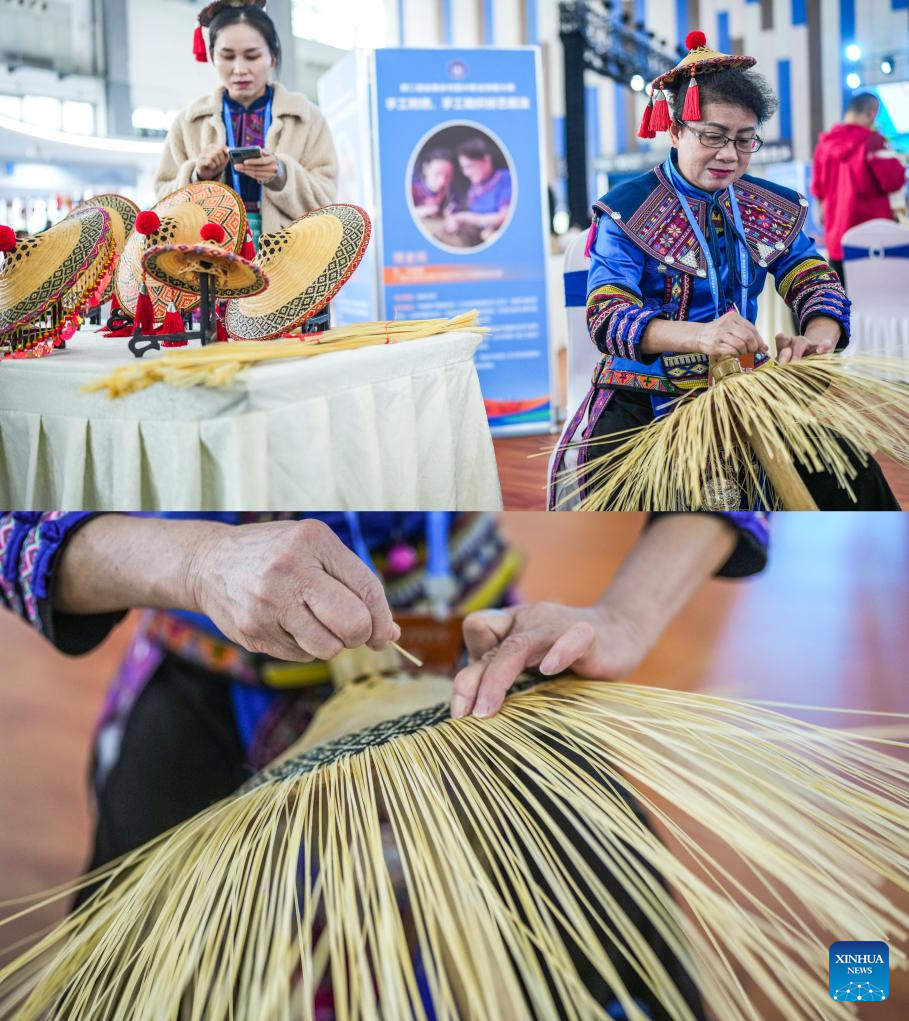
column 394, row 427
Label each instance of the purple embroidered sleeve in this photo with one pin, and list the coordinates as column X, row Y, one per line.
column 29, row 544
column 810, row 287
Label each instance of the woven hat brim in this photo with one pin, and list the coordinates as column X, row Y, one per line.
column 47, row 267
column 701, row 61
column 123, row 213
column 180, row 267
column 248, row 320
column 221, row 205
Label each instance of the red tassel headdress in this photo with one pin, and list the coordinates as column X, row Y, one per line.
column 699, row 61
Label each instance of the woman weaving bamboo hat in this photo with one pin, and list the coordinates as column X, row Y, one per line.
column 530, row 882
column 191, row 707
column 48, row 281
column 679, row 258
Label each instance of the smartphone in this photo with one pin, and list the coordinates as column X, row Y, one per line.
column 241, row 155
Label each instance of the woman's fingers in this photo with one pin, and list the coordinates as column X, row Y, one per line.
column 504, row 665
column 466, row 685
column 484, row 630
column 576, row 643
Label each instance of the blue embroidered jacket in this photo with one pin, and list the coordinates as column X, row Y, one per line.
column 647, row 263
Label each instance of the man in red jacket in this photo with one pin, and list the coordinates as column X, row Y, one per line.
column 853, row 175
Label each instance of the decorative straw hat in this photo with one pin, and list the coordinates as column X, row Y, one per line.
column 47, row 281
column 180, row 266
column 699, row 60
column 307, row 264
column 181, row 216
column 205, row 18
column 123, row 213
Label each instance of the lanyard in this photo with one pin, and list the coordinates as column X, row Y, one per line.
column 231, row 140
column 712, row 275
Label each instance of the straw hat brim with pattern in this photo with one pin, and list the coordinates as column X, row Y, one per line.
column 307, row 264
column 181, row 214
column 181, row 266
column 701, row 60
column 123, row 213
column 61, row 264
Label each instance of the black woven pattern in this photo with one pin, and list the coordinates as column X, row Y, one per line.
column 373, row 737
column 348, row 253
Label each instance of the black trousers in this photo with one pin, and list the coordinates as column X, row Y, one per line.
column 181, row 753
column 629, row 409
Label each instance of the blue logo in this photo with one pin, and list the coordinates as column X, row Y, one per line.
column 859, row 970
column 457, row 69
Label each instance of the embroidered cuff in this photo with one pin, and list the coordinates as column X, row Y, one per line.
column 616, row 320
column 30, row 548
column 812, row 289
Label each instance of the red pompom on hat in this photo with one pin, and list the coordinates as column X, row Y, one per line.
column 212, row 232
column 7, row 238
column 695, row 40
column 147, row 222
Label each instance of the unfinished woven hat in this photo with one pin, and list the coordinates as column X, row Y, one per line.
column 699, row 60
column 181, row 266
column 205, row 18
column 307, row 264
column 48, row 280
column 123, row 213
column 177, row 219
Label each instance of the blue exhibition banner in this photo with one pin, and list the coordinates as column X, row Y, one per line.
column 462, row 210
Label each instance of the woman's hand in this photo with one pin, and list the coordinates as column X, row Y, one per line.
column 791, row 349
column 731, row 334
column 290, row 589
column 263, row 169
column 211, row 162
column 598, row 642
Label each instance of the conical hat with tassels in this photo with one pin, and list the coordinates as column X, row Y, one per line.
column 46, row 281
column 699, row 60
column 307, row 264
column 123, row 213
column 182, row 215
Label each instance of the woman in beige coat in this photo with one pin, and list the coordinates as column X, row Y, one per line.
column 297, row 171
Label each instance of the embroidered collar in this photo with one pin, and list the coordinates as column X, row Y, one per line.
column 658, row 225
column 254, row 106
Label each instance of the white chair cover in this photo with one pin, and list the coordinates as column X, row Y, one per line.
column 876, row 267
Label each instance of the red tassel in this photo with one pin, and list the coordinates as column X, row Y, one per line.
column 114, row 304
column 692, row 108
column 646, row 128
column 199, row 50
column 248, row 251
column 145, row 313
column 173, row 323
column 221, row 332
column 591, row 237
column 660, row 119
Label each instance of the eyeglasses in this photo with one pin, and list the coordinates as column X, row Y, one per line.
column 717, row 140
